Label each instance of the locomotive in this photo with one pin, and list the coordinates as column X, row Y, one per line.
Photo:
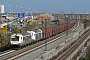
column 39, row 34
column 25, row 38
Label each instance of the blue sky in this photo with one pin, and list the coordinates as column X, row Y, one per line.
column 55, row 6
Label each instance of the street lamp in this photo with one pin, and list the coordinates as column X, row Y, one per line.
column 10, row 10
column 16, row 8
column 16, row 17
column 21, row 9
column 36, row 9
column 28, row 12
column 33, row 10
column 29, row 9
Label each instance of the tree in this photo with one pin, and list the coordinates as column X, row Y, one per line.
column 4, row 39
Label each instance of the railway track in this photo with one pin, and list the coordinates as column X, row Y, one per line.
column 73, row 46
column 6, row 52
column 30, row 48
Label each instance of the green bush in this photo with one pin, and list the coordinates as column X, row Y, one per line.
column 4, row 39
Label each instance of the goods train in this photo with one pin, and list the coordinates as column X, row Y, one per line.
column 39, row 34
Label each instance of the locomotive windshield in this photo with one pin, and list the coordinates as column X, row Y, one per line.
column 15, row 38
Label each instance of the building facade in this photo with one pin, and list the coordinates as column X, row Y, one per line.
column 45, row 16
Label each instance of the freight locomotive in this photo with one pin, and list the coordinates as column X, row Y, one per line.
column 39, row 34
column 25, row 38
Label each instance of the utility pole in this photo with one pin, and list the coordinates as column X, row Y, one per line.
column 45, row 35
column 36, row 18
column 44, row 25
column 42, row 22
column 66, row 18
column 16, row 17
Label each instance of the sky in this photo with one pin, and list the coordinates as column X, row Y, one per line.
column 48, row 6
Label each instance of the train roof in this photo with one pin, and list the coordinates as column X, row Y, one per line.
column 18, row 34
column 29, row 32
column 25, row 34
column 37, row 30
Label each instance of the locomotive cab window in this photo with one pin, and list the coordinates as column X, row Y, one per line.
column 15, row 38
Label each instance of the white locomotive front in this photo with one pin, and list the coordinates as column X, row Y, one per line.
column 16, row 39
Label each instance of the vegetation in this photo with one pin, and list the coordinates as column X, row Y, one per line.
column 86, row 58
column 4, row 39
